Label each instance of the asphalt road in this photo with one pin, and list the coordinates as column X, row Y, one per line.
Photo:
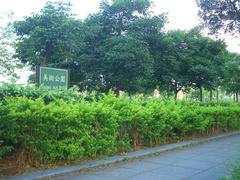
column 210, row 161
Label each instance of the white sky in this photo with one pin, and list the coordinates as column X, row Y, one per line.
column 182, row 14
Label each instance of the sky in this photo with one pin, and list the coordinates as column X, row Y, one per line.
column 182, row 14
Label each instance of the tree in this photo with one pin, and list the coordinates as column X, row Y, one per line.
column 189, row 60
column 103, row 52
column 231, row 81
column 207, row 62
column 128, row 64
column 220, row 15
column 121, row 58
column 52, row 38
column 171, row 65
column 48, row 38
column 118, row 15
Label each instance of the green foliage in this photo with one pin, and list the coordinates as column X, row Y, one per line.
column 107, row 50
column 236, row 173
column 72, row 131
column 234, row 166
column 120, row 57
column 231, row 82
column 127, row 63
column 189, row 60
column 122, row 47
column 220, row 15
column 32, row 92
column 58, row 130
column 48, row 37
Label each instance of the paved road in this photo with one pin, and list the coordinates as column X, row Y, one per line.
column 203, row 162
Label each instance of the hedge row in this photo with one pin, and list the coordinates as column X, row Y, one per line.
column 73, row 131
column 34, row 92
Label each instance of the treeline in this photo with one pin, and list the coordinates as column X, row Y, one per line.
column 124, row 47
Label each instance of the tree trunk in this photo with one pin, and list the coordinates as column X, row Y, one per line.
column 175, row 95
column 43, row 62
column 201, row 94
column 217, row 94
column 237, row 97
column 117, row 90
column 211, row 95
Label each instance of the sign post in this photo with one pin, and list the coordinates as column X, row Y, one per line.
column 52, row 78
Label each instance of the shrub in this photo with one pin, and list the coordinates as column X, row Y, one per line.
column 74, row 130
column 33, row 92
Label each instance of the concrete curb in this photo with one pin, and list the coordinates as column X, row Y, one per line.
column 51, row 173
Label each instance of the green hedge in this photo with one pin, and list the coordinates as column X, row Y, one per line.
column 73, row 131
column 32, row 92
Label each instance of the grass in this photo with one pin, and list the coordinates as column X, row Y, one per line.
column 236, row 173
column 235, row 169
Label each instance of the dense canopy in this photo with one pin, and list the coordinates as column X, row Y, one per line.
column 124, row 47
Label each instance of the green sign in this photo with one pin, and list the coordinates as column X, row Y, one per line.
column 52, row 78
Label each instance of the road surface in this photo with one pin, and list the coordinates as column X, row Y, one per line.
column 209, row 161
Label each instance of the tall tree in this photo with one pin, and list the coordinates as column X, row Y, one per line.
column 231, row 81
column 122, row 58
column 207, row 61
column 189, row 60
column 119, row 14
column 220, row 15
column 128, row 64
column 48, row 37
column 171, row 64
column 103, row 52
